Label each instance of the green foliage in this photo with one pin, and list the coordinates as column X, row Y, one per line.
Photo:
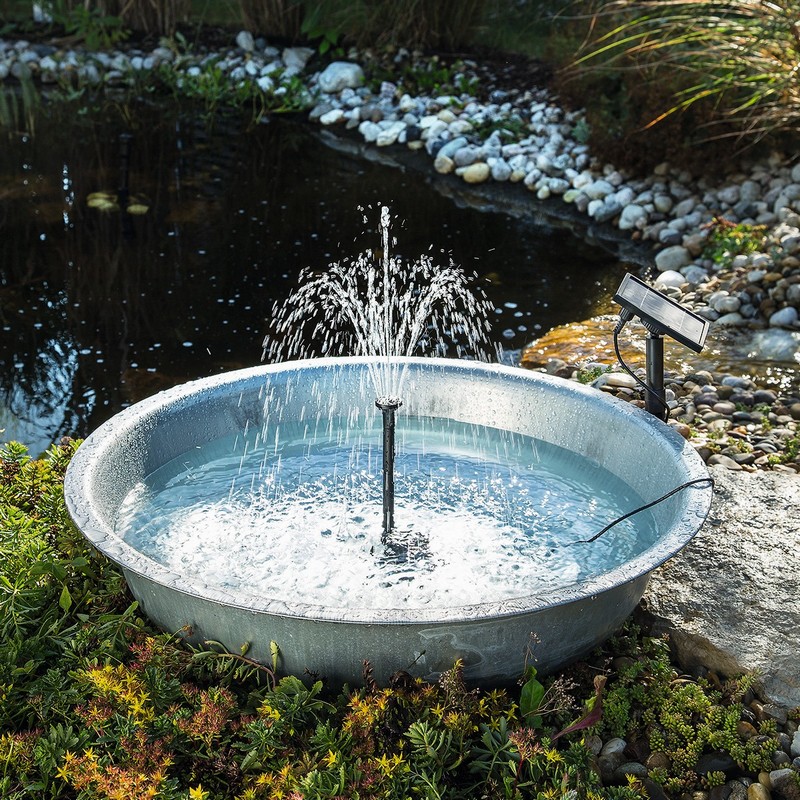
column 727, row 239
column 530, row 699
column 512, row 128
column 326, row 34
column 18, row 109
column 212, row 88
column 428, row 76
column 281, row 19
column 590, row 375
column 682, row 718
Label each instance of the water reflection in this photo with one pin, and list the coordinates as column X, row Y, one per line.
column 99, row 308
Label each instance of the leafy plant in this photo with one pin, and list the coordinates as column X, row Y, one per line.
column 327, row 35
column 215, row 91
column 591, row 374
column 281, row 19
column 727, row 239
column 18, row 110
column 682, row 718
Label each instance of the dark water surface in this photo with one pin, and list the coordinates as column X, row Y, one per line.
column 100, row 309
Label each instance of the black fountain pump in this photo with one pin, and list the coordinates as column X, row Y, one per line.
column 388, row 407
column 661, row 316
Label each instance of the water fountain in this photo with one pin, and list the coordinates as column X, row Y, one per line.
column 249, row 508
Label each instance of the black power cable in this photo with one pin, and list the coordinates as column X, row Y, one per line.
column 624, row 317
column 677, row 489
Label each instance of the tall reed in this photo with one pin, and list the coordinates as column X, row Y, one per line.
column 158, row 17
column 280, row 19
column 740, row 56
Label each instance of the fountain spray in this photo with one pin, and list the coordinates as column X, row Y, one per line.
column 385, row 307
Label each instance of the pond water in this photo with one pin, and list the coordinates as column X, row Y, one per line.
column 100, row 309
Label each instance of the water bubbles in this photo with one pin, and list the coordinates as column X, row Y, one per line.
column 485, row 515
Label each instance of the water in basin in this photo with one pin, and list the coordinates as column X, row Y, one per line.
column 295, row 510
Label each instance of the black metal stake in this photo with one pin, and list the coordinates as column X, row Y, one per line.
column 655, row 401
column 388, row 406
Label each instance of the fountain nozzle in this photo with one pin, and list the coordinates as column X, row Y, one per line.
column 388, row 406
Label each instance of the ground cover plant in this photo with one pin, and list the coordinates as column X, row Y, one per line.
column 95, row 703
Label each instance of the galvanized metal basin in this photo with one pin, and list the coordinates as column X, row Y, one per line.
column 492, row 638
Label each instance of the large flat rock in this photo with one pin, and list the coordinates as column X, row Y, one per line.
column 730, row 600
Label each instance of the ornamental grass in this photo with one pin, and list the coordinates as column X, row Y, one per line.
column 737, row 58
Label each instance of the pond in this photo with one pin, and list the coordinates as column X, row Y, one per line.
column 99, row 309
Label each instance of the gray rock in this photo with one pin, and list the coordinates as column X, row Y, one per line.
column 245, row 41
column 629, row 768
column 670, row 278
column 598, row 189
column 630, row 216
column 694, row 274
column 738, row 791
column 467, row 155
column 369, row 130
column 390, row 134
column 613, row 746
column 501, row 171
column 785, row 318
column 673, row 258
column 728, row 599
column 332, row 117
column 729, row 195
column 724, row 303
column 296, row 58
column 340, row 75
column 720, row 460
column 733, row 318
column 558, row 185
column 663, row 203
column 794, row 748
column 607, row 211
column 774, row 344
column 684, row 207
column 784, row 783
column 750, row 191
column 449, row 149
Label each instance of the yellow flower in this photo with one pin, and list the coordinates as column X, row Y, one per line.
column 198, row 793
column 387, row 764
column 269, row 712
column 330, row 759
column 553, row 756
column 63, row 770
